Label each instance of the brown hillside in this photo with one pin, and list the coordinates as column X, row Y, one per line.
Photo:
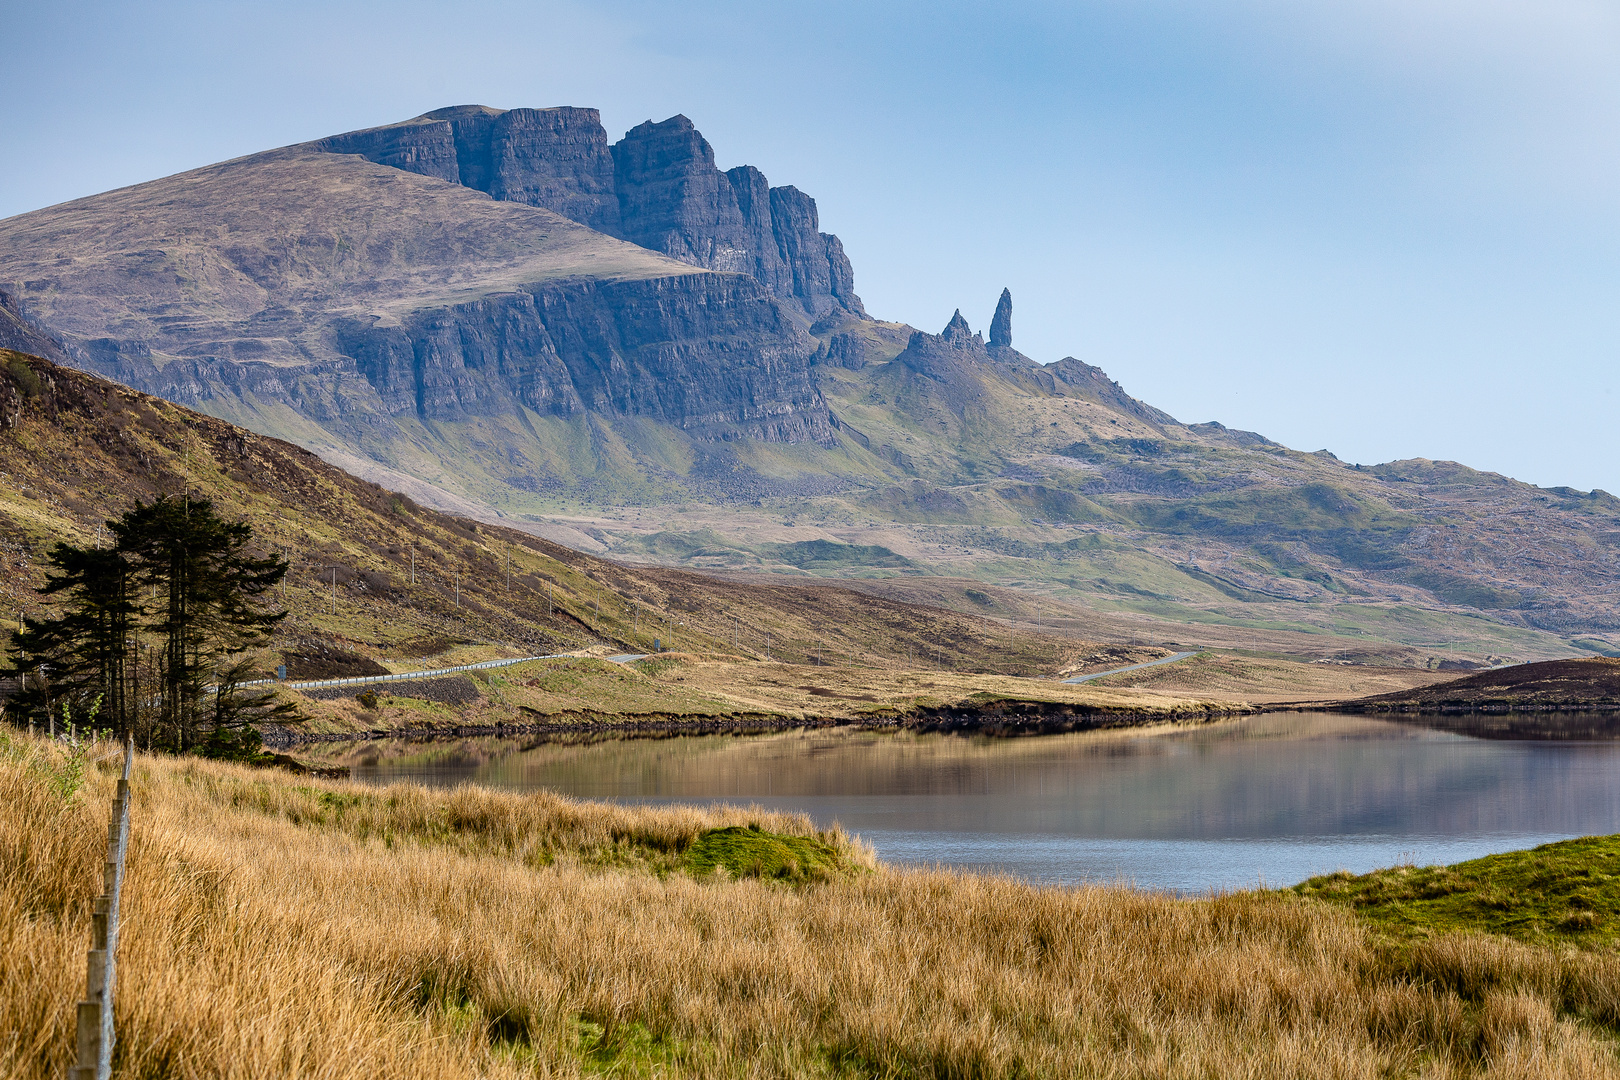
column 1562, row 684
column 76, row 449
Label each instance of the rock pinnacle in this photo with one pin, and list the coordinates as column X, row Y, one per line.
column 1001, row 325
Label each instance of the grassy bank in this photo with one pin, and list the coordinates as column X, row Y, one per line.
column 278, row 926
column 1563, row 894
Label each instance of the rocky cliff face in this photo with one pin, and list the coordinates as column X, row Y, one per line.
column 558, row 159
column 18, row 333
column 674, row 200
column 552, row 158
column 692, row 351
column 657, row 187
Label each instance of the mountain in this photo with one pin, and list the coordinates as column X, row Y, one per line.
column 624, row 348
column 385, row 316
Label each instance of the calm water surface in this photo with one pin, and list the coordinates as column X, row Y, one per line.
column 1271, row 799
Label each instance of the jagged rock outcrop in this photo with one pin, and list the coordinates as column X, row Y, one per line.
column 958, row 361
column 672, row 198
column 657, row 187
column 958, row 332
column 552, row 158
column 1001, row 323
column 954, row 357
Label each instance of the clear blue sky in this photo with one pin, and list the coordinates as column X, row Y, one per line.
column 1388, row 228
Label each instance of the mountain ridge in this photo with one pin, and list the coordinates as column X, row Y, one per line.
column 658, row 187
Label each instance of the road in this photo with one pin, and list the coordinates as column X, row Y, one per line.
column 1172, row 658
column 358, row 680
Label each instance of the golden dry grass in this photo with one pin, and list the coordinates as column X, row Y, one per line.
column 281, row 927
column 1234, row 677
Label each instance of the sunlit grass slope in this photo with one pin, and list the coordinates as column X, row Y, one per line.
column 1565, row 894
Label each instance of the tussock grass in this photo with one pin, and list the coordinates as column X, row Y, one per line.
column 752, row 852
column 281, row 927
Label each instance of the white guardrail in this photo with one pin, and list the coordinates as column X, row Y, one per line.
column 359, row 680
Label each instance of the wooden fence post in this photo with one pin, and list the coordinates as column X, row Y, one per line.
column 94, row 1043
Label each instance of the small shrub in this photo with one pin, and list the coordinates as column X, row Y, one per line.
column 23, row 377
column 224, row 744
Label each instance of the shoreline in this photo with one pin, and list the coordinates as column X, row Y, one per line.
column 1006, row 720
column 1031, row 718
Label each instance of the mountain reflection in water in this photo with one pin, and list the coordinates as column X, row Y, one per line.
column 1275, row 798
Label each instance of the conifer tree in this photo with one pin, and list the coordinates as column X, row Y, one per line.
column 204, row 601
column 80, row 659
column 209, row 591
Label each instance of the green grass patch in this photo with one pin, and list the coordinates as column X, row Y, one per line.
column 752, row 852
column 1565, row 893
column 830, row 555
column 655, row 666
column 627, row 1050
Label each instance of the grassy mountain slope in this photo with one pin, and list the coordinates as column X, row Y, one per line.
column 1052, row 482
column 379, row 579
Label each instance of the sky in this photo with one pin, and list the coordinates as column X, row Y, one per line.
column 1385, row 228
